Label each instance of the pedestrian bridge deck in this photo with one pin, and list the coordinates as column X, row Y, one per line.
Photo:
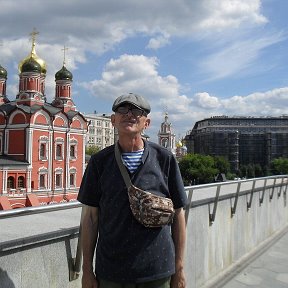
column 237, row 236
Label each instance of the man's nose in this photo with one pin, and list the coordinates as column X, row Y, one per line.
column 130, row 112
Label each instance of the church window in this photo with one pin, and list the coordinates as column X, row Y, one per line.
column 58, row 181
column 10, row 182
column 42, row 151
column 21, row 182
column 72, row 179
column 42, row 181
column 43, row 146
column 59, row 151
column 72, row 151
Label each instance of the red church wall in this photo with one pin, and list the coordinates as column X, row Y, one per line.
column 59, row 122
column 40, row 119
column 31, row 84
column 37, row 162
column 76, row 124
column 17, row 144
column 19, row 119
column 1, row 181
column 2, row 119
column 78, row 163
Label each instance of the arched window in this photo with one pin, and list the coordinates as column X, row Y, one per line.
column 21, row 182
column 10, row 182
column 42, row 181
column 42, row 150
column 72, row 151
column 72, row 179
column 59, row 151
column 58, row 180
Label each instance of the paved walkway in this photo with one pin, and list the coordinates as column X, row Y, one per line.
column 267, row 270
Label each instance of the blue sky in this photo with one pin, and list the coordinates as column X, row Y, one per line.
column 192, row 59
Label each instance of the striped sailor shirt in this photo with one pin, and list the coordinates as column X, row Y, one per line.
column 132, row 160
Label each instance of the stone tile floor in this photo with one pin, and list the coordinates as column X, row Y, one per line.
column 269, row 270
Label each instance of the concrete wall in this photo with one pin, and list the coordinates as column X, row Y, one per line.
column 36, row 250
column 215, row 248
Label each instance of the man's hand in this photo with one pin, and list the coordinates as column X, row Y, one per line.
column 178, row 280
column 179, row 238
column 89, row 280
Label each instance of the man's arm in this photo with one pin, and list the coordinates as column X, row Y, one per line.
column 89, row 234
column 179, row 238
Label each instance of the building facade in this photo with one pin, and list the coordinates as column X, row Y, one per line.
column 42, row 145
column 100, row 132
column 241, row 140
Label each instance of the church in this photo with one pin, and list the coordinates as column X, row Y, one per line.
column 42, row 145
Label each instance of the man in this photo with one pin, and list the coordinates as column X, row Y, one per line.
column 129, row 255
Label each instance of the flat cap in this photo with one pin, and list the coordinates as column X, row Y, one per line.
column 133, row 99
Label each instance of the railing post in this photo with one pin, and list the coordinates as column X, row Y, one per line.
column 75, row 264
column 213, row 215
column 261, row 199
column 251, row 196
column 233, row 209
column 281, row 186
column 273, row 188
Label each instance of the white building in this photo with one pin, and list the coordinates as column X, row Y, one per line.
column 100, row 131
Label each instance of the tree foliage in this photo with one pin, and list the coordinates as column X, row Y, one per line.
column 198, row 169
column 222, row 164
column 279, row 166
column 93, row 149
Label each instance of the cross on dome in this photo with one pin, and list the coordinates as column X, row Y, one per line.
column 64, row 51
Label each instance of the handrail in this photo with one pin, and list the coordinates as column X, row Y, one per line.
column 75, row 265
column 38, row 209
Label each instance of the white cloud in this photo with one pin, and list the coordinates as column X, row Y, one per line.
column 100, row 25
column 238, row 56
column 133, row 73
column 158, row 42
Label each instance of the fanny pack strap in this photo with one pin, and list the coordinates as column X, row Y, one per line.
column 121, row 166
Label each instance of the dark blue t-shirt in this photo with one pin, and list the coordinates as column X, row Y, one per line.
column 126, row 251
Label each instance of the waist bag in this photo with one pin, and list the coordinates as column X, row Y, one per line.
column 149, row 209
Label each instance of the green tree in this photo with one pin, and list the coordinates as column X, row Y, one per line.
column 279, row 166
column 199, row 169
column 250, row 171
column 93, row 149
column 258, row 170
column 222, row 164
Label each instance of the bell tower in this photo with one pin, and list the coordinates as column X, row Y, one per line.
column 3, row 79
column 166, row 137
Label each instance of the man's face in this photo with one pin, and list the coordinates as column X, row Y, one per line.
column 130, row 119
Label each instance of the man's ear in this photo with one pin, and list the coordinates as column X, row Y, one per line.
column 113, row 119
column 147, row 123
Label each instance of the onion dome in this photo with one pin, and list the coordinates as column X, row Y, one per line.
column 3, row 72
column 35, row 57
column 31, row 65
column 63, row 74
column 179, row 144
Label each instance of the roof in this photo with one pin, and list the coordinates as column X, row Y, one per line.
column 6, row 160
column 11, row 106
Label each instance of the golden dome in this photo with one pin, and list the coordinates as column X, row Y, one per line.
column 179, row 144
column 35, row 57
